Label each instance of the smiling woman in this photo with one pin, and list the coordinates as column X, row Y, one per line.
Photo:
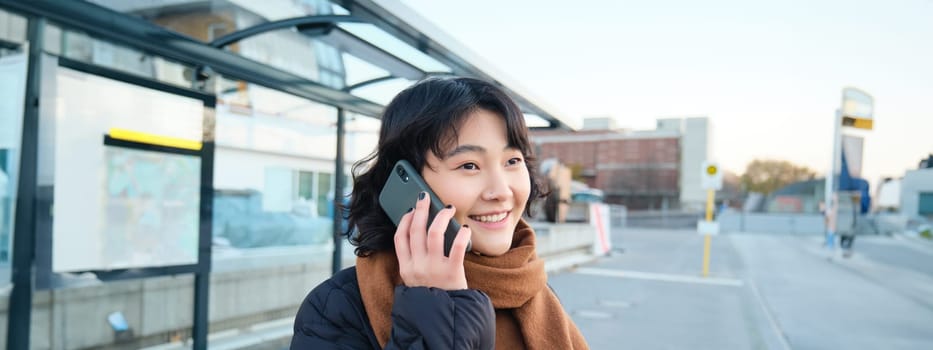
column 470, row 143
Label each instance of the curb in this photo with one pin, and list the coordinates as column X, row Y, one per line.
column 565, row 262
column 918, row 240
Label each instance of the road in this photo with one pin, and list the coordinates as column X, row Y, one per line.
column 763, row 292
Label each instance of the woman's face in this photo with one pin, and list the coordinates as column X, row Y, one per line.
column 484, row 179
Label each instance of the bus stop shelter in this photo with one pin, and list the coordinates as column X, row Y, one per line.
column 204, row 59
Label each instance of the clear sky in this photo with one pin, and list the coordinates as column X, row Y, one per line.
column 769, row 74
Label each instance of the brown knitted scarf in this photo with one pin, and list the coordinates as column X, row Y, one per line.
column 515, row 281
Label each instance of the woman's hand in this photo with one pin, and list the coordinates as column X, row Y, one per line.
column 420, row 249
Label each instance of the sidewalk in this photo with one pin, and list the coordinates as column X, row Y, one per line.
column 914, row 239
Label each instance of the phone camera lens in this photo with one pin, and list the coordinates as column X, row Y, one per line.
column 402, row 173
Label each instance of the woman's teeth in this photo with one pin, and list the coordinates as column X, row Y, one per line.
column 489, row 218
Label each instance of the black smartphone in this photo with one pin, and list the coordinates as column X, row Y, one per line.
column 401, row 191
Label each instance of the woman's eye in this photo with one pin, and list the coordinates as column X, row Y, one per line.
column 514, row 161
column 469, row 166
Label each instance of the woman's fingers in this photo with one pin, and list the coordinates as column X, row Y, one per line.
column 419, row 225
column 458, row 249
column 420, row 248
column 402, row 242
column 438, row 230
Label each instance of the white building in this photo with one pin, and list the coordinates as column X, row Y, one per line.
column 917, row 193
column 694, row 150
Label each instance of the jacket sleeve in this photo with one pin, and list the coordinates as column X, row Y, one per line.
column 330, row 319
column 430, row 318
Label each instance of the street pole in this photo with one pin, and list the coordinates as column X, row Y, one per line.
column 711, row 181
column 24, row 242
column 829, row 206
column 338, row 233
column 710, row 200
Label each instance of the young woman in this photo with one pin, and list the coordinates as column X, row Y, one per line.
column 470, row 142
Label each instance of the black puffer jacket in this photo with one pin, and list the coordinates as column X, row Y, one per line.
column 332, row 316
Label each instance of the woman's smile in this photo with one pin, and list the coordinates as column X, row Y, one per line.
column 490, row 221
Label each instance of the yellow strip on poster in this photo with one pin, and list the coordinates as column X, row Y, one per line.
column 141, row 137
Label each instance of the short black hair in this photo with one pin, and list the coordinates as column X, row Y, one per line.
column 423, row 117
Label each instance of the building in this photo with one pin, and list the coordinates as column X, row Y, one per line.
column 910, row 195
column 649, row 169
column 917, row 193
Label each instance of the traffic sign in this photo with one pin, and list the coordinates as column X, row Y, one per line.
column 711, row 178
column 857, row 109
column 708, row 227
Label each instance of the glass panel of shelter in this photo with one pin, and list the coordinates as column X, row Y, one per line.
column 81, row 47
column 283, row 132
column 274, row 163
column 13, row 67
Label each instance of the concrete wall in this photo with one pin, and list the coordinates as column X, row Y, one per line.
column 663, row 219
column 771, row 223
column 266, row 284
column 243, row 291
column 555, row 241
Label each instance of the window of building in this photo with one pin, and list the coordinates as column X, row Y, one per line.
column 316, row 190
column 925, row 204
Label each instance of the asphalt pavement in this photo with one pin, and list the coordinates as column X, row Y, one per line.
column 763, row 291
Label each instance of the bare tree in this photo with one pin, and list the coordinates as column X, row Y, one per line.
column 767, row 175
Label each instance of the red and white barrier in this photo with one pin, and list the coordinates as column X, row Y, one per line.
column 599, row 218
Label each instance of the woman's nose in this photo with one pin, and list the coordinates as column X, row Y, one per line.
column 497, row 188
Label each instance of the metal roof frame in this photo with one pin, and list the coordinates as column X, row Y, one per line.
column 408, row 26
column 391, row 17
column 9, row 45
column 104, row 23
column 324, row 28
